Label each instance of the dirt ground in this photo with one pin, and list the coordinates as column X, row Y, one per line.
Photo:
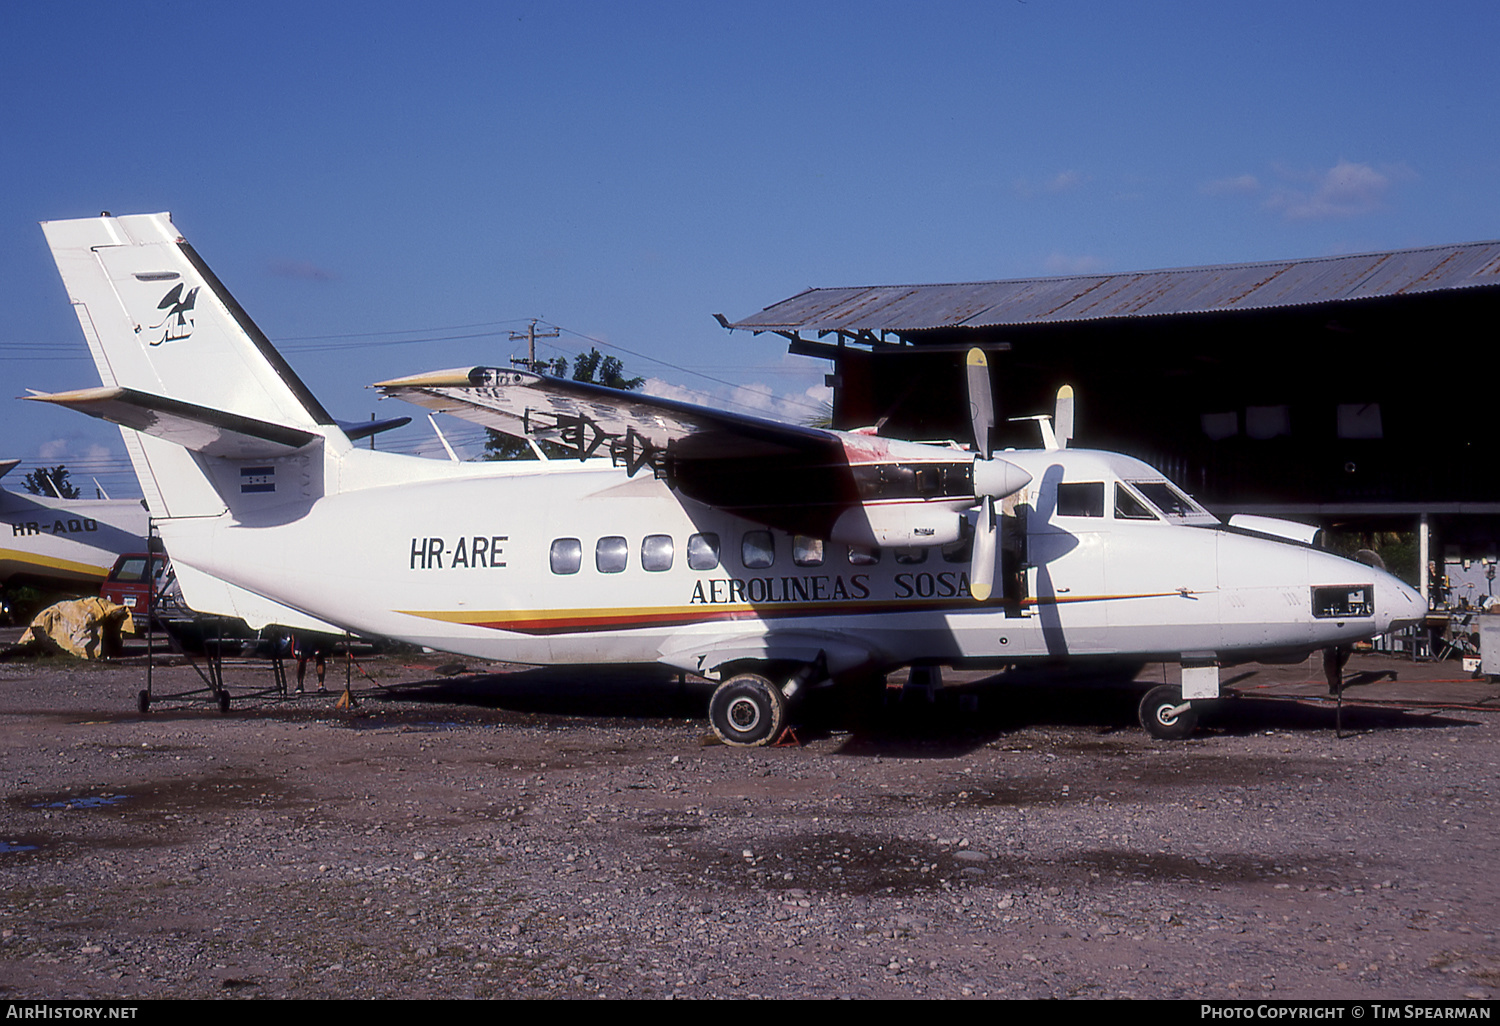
column 578, row 834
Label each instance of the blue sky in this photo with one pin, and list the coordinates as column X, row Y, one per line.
column 400, row 173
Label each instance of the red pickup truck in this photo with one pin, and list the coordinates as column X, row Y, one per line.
column 129, row 585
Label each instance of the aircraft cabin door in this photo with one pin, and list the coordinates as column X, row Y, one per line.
column 1066, row 544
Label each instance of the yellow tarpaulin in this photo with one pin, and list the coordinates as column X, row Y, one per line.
column 88, row 628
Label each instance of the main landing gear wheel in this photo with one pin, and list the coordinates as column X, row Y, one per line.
column 1165, row 715
column 143, row 702
column 223, row 701
column 747, row 710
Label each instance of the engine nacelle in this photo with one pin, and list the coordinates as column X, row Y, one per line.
column 901, row 525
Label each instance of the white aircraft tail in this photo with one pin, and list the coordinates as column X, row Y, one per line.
column 223, row 417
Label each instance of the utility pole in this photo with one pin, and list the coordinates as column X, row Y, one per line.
column 531, row 335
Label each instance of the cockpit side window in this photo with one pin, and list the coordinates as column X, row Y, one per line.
column 1080, row 499
column 1128, row 507
column 1166, row 497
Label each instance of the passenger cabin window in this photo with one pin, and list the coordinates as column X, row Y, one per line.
column 758, row 550
column 860, row 555
column 656, row 552
column 807, row 551
column 1080, row 499
column 611, row 554
column 566, row 556
column 1128, row 507
column 703, row 552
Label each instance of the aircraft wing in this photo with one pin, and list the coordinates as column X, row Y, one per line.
column 854, row 487
column 593, row 420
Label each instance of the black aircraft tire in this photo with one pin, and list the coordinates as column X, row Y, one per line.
column 1157, row 717
column 223, row 701
column 747, row 710
column 143, row 702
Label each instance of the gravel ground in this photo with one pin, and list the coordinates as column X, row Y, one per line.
column 574, row 834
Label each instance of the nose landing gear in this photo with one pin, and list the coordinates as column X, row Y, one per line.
column 1165, row 715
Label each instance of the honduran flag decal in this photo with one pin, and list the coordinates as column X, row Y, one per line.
column 257, row 479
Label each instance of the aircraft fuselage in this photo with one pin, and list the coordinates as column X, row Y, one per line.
column 578, row 562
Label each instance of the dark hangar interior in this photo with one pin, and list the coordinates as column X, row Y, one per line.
column 1354, row 392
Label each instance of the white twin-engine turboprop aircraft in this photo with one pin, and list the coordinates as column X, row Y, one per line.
column 769, row 556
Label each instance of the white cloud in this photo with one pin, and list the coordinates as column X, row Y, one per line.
column 1344, row 190
column 61, row 449
column 755, row 399
column 1239, row 185
column 1063, row 181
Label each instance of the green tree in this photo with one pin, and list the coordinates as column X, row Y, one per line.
column 592, row 368
column 51, row 481
column 598, row 369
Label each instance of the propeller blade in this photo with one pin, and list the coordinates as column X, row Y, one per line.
column 981, row 400
column 1062, row 424
column 986, row 544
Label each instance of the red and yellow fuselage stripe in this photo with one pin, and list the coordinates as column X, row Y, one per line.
column 568, row 621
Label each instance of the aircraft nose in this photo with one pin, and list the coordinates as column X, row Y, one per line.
column 1399, row 601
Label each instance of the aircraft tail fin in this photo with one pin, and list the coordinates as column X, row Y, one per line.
column 180, row 361
column 160, row 322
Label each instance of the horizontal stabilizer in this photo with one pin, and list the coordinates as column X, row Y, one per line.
column 360, row 429
column 211, row 432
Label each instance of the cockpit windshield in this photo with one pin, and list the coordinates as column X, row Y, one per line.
column 1171, row 502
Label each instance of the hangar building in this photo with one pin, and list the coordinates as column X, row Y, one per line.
column 1350, row 391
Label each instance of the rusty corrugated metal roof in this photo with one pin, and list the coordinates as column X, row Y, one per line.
column 1183, row 290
